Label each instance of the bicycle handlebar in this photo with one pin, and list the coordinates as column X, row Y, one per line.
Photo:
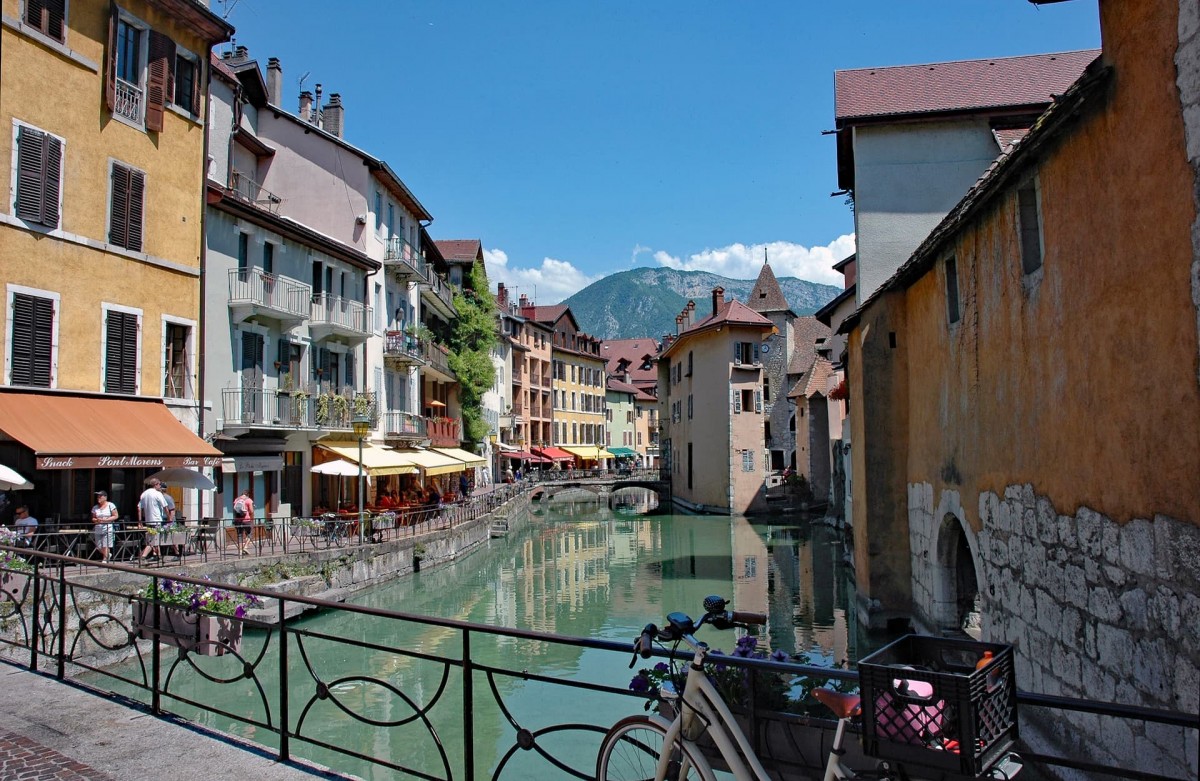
column 753, row 619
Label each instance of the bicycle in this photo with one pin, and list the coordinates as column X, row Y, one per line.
column 335, row 530
column 650, row 747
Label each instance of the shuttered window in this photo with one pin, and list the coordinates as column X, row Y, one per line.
column 48, row 17
column 186, row 89
column 176, row 384
column 120, row 352
column 32, row 350
column 160, row 79
column 125, row 215
column 39, row 176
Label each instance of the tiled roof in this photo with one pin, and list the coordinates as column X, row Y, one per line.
column 1009, row 136
column 219, row 66
column 459, row 249
column 956, row 86
column 620, row 387
column 813, row 380
column 635, row 353
column 767, row 295
column 807, row 330
column 733, row 312
column 545, row 314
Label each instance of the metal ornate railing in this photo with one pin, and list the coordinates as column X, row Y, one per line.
column 249, row 190
column 270, row 291
column 344, row 313
column 129, row 99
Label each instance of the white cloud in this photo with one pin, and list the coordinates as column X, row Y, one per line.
column 742, row 261
column 546, row 284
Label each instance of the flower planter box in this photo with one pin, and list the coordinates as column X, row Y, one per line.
column 207, row 635
column 167, row 538
column 14, row 584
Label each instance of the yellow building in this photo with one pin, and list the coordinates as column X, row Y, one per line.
column 101, row 225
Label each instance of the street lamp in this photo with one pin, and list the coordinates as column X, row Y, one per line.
column 362, row 426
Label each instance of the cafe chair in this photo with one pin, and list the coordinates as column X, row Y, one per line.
column 128, row 542
column 206, row 536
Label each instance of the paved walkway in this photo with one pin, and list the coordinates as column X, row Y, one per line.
column 51, row 731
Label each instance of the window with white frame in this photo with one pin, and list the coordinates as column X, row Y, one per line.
column 127, row 67
column 177, row 372
column 37, row 176
column 121, row 350
column 747, row 460
column 49, row 17
column 32, row 338
column 185, row 86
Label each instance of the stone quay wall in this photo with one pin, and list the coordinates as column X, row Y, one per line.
column 1095, row 610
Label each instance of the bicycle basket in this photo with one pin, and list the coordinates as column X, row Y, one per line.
column 925, row 703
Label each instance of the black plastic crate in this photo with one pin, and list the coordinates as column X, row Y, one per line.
column 925, row 703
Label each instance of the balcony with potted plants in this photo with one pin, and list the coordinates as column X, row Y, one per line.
column 405, row 426
column 443, row 432
column 338, row 316
column 403, row 348
column 256, row 293
column 437, row 293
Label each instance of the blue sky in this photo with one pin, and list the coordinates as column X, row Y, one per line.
column 577, row 138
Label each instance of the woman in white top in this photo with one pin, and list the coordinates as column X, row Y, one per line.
column 104, row 515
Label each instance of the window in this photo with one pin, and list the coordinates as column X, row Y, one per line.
column 1029, row 220
column 268, row 257
column 125, row 213
column 350, row 370
column 747, row 460
column 391, row 223
column 120, row 352
column 176, row 383
column 31, row 353
column 745, row 352
column 689, row 406
column 47, row 17
column 689, row 370
column 952, row 309
column 39, row 177
column 745, row 400
column 185, row 92
column 378, row 211
column 243, row 252
column 289, row 357
column 767, row 389
column 124, row 91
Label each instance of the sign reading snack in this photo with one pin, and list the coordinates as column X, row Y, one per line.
column 124, row 462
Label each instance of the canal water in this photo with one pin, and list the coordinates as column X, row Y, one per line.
column 577, row 568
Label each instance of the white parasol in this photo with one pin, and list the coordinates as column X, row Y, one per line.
column 10, row 480
column 338, row 467
column 184, row 478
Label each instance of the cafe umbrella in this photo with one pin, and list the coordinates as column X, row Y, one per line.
column 11, row 480
column 184, row 478
column 337, row 468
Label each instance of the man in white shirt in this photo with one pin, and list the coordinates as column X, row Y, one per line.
column 152, row 512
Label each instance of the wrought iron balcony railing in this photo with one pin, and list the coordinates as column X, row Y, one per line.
column 284, row 296
column 252, row 192
column 403, row 424
column 341, row 314
column 404, row 258
column 130, row 101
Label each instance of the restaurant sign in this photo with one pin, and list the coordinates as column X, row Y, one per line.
column 124, row 462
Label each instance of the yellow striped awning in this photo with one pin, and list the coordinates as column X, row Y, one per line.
column 377, row 461
column 593, row 453
column 431, row 463
column 469, row 459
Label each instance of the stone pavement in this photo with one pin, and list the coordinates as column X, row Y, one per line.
column 51, row 731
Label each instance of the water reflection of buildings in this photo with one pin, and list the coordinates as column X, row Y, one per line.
column 772, row 560
column 634, row 501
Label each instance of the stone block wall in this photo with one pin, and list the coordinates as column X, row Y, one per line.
column 1095, row 610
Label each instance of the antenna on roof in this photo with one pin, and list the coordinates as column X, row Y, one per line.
column 302, row 78
column 765, row 261
column 228, row 5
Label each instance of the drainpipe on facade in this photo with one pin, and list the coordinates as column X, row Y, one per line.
column 202, row 320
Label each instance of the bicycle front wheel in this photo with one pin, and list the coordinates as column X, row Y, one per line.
column 631, row 749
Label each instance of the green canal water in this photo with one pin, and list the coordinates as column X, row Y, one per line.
column 577, row 569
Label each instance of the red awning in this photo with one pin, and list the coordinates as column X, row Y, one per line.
column 554, row 453
column 523, row 455
column 86, row 432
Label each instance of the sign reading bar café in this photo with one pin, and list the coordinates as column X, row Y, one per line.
column 124, row 462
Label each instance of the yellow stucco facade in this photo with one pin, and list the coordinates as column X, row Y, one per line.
column 579, row 414
column 59, row 88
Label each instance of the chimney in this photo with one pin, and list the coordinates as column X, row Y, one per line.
column 305, row 105
column 335, row 115
column 718, row 299
column 501, row 295
column 524, row 301
column 274, row 82
column 679, row 323
column 315, row 118
column 239, row 55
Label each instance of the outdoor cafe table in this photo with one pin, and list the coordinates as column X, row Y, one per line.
column 71, row 539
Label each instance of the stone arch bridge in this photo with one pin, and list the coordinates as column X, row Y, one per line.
column 604, row 487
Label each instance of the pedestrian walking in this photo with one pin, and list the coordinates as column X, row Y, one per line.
column 104, row 514
column 152, row 512
column 243, row 520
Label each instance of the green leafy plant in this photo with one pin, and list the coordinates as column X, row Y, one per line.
column 14, row 563
column 199, row 598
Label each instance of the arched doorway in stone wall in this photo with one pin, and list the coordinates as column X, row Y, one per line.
column 957, row 586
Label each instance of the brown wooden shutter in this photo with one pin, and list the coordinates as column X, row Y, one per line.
column 43, row 342
column 158, row 85
column 199, row 72
column 35, row 14
column 137, row 189
column 56, row 17
column 22, row 340
column 118, row 218
column 120, row 353
column 110, row 64
column 52, row 182
column 31, row 173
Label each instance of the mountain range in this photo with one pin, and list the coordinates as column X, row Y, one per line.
column 643, row 302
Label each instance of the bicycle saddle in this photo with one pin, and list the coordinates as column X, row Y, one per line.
column 844, row 705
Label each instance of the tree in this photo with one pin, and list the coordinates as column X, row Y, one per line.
column 472, row 338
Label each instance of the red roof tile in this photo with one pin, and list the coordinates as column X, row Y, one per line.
column 956, row 86
column 459, row 249
column 635, row 352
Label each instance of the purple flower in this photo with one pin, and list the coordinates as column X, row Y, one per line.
column 640, row 683
column 240, row 611
column 661, row 667
column 779, row 656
